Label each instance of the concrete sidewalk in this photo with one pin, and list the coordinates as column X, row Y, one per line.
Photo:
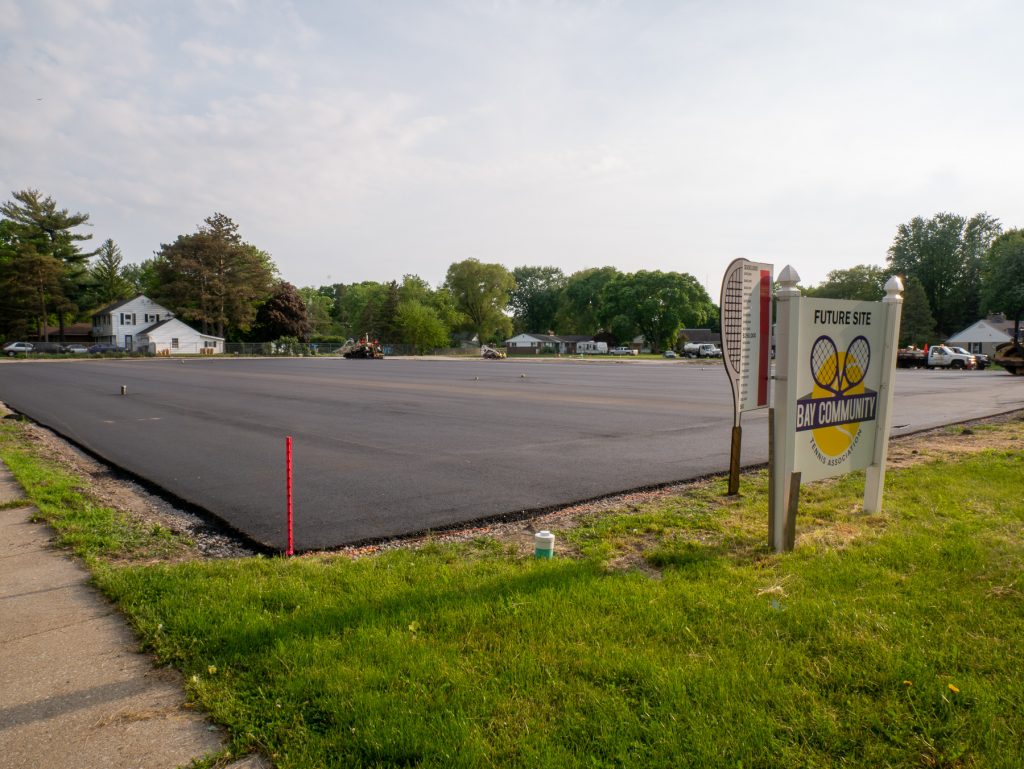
column 74, row 692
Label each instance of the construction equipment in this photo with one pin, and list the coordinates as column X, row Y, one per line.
column 1010, row 355
column 491, row 353
column 364, row 348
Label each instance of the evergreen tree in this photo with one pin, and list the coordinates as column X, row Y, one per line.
column 917, row 326
column 213, row 277
column 37, row 231
column 109, row 284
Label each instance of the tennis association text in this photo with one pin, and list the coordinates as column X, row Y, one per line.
column 815, row 413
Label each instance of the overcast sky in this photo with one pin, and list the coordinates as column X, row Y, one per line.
column 364, row 140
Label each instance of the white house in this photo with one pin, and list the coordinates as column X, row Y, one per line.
column 121, row 322
column 171, row 337
column 142, row 324
column 984, row 336
column 533, row 344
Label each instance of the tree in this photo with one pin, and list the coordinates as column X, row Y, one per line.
column 420, row 326
column 318, row 311
column 944, row 253
column 481, row 292
column 283, row 314
column 1003, row 278
column 30, row 283
column 213, row 277
column 864, row 282
column 917, row 326
column 580, row 311
column 535, row 298
column 359, row 309
column 37, row 231
column 657, row 303
column 109, row 284
column 142, row 278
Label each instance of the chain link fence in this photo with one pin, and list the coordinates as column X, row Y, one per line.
column 312, row 349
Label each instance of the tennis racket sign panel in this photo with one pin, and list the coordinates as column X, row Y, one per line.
column 746, row 332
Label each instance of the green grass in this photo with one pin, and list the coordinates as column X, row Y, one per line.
column 673, row 639
column 88, row 528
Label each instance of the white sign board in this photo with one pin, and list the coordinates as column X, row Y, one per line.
column 746, row 332
column 839, row 364
column 836, row 362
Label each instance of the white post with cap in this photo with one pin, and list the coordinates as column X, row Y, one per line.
column 788, row 297
column 874, row 482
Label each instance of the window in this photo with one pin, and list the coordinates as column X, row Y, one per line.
column 208, row 343
column 174, row 343
column 127, row 318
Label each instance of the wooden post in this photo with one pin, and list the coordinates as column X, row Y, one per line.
column 734, row 460
column 789, row 542
column 771, row 477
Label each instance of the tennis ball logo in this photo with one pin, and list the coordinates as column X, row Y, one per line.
column 838, row 375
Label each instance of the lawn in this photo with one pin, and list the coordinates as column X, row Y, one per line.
column 664, row 634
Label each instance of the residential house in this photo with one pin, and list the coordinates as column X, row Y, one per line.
column 121, row 322
column 984, row 336
column 172, row 337
column 80, row 333
column 141, row 324
column 534, row 344
column 698, row 336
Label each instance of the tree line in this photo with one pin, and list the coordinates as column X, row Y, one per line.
column 955, row 270
column 228, row 287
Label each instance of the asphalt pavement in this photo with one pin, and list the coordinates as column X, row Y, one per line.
column 385, row 448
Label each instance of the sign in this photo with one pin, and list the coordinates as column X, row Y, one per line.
column 746, row 332
column 835, row 367
column 839, row 366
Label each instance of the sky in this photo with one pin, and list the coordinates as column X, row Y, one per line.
column 367, row 140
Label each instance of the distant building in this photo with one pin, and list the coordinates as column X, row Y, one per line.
column 984, row 336
column 140, row 324
column 535, row 344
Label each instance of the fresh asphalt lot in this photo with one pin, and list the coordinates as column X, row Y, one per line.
column 393, row 447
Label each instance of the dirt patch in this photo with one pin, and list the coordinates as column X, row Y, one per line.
column 958, row 440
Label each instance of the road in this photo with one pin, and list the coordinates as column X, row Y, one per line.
column 385, row 448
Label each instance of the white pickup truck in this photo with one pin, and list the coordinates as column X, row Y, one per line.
column 941, row 356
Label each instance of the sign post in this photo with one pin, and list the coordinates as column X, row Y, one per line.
column 746, row 345
column 835, row 365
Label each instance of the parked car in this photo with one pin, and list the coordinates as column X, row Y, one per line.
column 76, row 349
column 13, row 348
column 980, row 359
column 624, row 351
column 104, row 347
column 941, row 356
column 669, row 354
column 47, row 347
